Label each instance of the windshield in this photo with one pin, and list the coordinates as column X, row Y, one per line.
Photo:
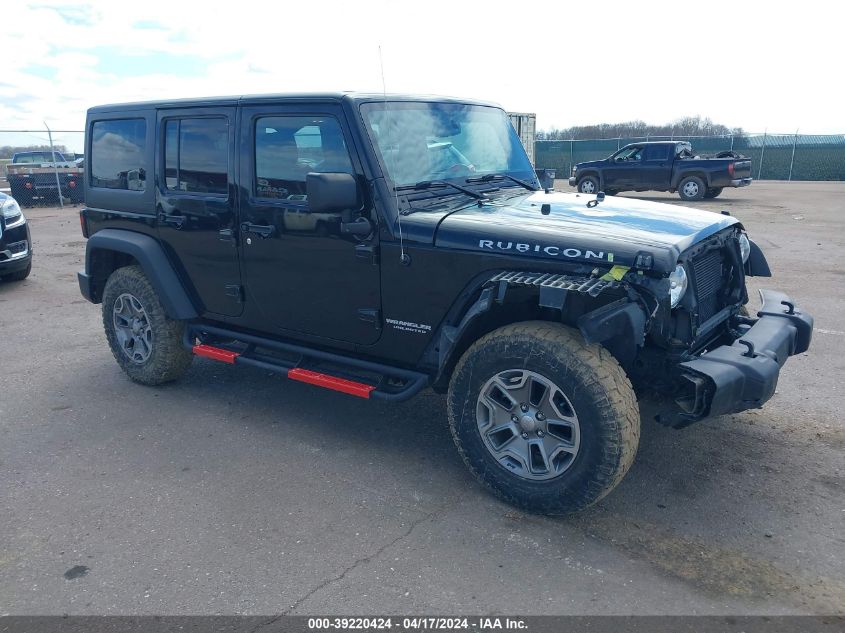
column 419, row 142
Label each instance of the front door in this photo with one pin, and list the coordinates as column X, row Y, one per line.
column 195, row 203
column 303, row 273
column 624, row 169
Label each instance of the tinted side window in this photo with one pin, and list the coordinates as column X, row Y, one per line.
column 287, row 148
column 196, row 155
column 658, row 152
column 117, row 154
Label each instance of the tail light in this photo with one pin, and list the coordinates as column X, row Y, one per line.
column 731, row 168
column 83, row 224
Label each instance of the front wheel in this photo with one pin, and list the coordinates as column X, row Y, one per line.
column 691, row 188
column 546, row 421
column 588, row 185
column 19, row 275
column 144, row 341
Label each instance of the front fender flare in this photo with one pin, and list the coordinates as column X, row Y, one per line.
column 757, row 266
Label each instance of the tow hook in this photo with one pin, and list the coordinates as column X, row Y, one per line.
column 749, row 353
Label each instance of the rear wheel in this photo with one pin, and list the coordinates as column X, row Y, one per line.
column 691, row 188
column 546, row 421
column 145, row 342
column 588, row 185
column 713, row 192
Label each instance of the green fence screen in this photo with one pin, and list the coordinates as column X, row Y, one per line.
column 773, row 156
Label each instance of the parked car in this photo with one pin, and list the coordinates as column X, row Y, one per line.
column 661, row 166
column 542, row 315
column 40, row 175
column 15, row 241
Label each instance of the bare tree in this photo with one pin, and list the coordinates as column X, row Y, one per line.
column 685, row 126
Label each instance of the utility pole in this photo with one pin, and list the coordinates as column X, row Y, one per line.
column 792, row 160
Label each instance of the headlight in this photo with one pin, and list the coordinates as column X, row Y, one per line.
column 677, row 285
column 744, row 247
column 574, row 169
column 12, row 213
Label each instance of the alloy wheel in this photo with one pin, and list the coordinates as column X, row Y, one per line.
column 528, row 424
column 132, row 328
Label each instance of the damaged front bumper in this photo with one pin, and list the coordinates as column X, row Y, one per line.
column 744, row 375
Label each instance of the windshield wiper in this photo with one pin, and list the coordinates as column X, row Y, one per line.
column 427, row 184
column 491, row 177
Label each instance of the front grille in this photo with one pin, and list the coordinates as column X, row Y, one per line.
column 708, row 279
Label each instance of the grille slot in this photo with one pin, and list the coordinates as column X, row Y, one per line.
column 708, row 278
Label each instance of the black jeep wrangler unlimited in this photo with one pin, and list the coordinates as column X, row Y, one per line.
column 377, row 245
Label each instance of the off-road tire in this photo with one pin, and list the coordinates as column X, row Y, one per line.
column 586, row 182
column 168, row 360
column 19, row 275
column 598, row 389
column 713, row 192
column 689, row 180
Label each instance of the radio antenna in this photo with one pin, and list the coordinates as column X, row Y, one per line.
column 403, row 257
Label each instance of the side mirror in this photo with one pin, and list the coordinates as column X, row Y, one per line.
column 331, row 192
column 546, row 178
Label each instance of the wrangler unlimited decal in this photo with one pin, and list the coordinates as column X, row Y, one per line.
column 408, row 326
column 553, row 251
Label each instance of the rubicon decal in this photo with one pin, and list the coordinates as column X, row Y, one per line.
column 552, row 251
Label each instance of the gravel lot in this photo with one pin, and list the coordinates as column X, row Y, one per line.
column 236, row 491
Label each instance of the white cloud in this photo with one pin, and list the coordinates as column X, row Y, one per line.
column 743, row 64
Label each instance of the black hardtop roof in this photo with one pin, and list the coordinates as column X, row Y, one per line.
column 319, row 97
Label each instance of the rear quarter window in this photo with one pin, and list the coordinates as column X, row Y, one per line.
column 118, row 147
column 658, row 152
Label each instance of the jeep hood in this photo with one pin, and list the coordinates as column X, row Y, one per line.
column 613, row 232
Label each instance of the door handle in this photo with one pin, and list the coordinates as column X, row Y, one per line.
column 262, row 230
column 361, row 226
column 176, row 220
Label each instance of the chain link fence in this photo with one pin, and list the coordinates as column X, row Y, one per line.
column 773, row 156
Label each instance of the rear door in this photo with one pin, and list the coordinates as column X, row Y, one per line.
column 302, row 273
column 657, row 166
column 195, row 203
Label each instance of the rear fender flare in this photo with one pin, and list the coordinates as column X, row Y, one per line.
column 153, row 261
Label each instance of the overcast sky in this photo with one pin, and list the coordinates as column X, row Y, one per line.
column 755, row 65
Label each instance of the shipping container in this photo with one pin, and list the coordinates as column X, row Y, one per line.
column 525, row 125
